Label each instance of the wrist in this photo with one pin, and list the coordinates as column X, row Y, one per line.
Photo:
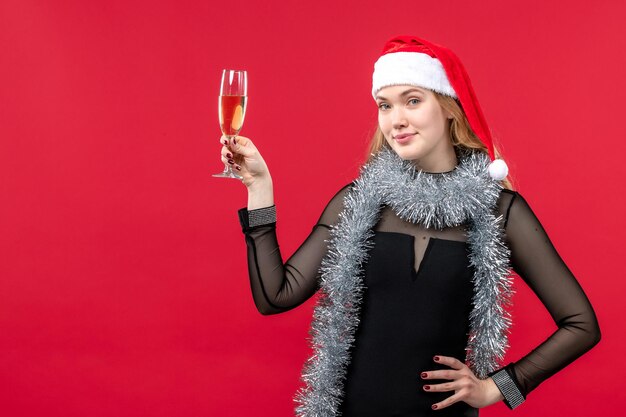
column 261, row 184
column 508, row 387
column 261, row 194
column 494, row 394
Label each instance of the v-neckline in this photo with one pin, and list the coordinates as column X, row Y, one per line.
column 415, row 273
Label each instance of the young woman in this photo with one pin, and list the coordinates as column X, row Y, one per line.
column 413, row 259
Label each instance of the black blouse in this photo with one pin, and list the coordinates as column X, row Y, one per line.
column 417, row 303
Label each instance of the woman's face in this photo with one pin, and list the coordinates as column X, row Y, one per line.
column 416, row 127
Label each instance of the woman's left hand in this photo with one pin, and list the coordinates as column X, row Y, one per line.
column 467, row 387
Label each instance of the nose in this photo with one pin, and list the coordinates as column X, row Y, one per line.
column 398, row 118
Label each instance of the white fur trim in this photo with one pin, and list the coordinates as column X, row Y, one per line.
column 498, row 170
column 410, row 68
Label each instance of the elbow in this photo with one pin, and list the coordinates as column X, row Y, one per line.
column 586, row 329
column 267, row 306
column 266, row 309
column 596, row 334
column 592, row 336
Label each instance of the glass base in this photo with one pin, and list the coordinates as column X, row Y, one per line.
column 228, row 173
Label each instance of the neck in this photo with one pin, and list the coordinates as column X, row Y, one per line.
column 438, row 165
column 431, row 197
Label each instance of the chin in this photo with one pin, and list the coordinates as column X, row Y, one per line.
column 406, row 153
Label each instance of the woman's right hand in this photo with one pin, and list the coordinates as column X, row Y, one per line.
column 245, row 160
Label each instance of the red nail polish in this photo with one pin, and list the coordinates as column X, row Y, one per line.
column 426, row 387
column 238, row 168
column 230, row 161
column 229, row 155
column 235, row 141
column 436, row 358
column 424, row 374
column 434, row 407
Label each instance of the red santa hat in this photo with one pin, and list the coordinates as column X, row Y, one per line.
column 408, row 60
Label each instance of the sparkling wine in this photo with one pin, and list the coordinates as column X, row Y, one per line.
column 232, row 109
column 232, row 113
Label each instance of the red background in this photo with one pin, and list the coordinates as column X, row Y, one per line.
column 123, row 282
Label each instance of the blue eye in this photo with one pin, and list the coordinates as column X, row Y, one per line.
column 383, row 106
column 414, row 101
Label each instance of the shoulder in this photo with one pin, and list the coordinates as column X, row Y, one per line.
column 513, row 207
column 335, row 205
column 506, row 198
column 505, row 202
column 339, row 195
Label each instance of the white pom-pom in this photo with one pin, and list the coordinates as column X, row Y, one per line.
column 498, row 170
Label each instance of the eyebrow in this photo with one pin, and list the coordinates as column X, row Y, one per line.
column 411, row 90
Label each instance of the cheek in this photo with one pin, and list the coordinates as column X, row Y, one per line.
column 422, row 120
column 437, row 120
column 383, row 125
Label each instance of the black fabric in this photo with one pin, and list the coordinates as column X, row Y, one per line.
column 398, row 337
column 417, row 303
column 243, row 220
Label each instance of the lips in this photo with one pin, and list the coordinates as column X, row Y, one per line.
column 404, row 137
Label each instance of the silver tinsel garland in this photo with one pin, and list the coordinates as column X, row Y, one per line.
column 437, row 201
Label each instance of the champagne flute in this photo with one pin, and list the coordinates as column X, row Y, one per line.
column 232, row 104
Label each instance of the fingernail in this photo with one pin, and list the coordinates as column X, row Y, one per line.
column 229, row 155
column 424, row 374
column 230, row 161
column 426, row 387
column 434, row 407
column 238, row 168
column 235, row 141
column 436, row 358
column 225, row 141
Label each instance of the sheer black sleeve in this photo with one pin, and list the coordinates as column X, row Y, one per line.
column 277, row 286
column 536, row 261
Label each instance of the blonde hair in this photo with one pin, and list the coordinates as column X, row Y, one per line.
column 461, row 134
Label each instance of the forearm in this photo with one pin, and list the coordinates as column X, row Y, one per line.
column 261, row 194
column 576, row 335
column 266, row 269
column 278, row 287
